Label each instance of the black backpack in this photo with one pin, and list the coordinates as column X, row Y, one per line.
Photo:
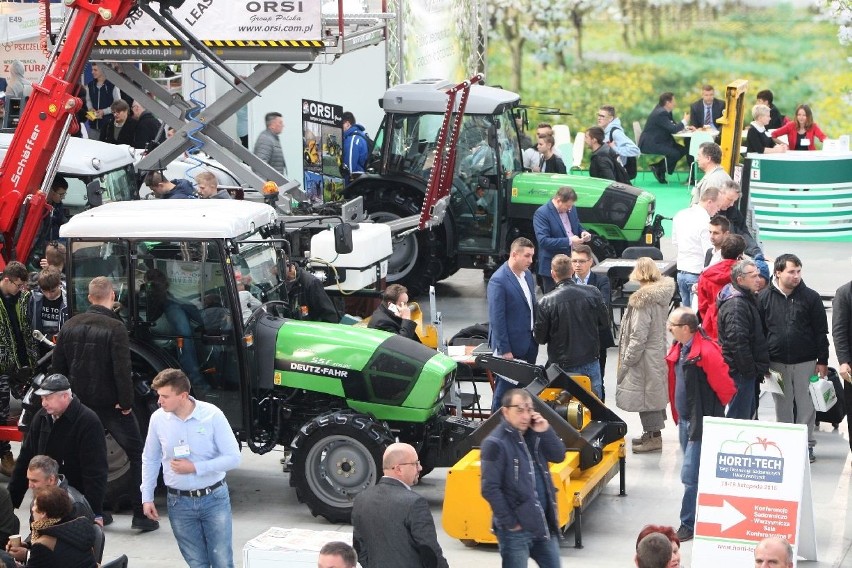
column 631, row 165
column 621, row 173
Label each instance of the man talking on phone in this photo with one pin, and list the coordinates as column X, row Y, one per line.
column 517, row 485
column 394, row 315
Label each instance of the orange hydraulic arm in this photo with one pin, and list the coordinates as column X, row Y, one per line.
column 443, row 168
column 46, row 122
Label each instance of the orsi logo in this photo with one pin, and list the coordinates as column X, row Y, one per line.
column 320, row 110
column 270, row 6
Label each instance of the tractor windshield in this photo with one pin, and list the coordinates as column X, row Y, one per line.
column 487, row 145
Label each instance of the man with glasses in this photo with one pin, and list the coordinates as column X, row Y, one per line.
column 582, row 260
column 391, row 524
column 741, row 336
column 699, row 386
column 17, row 346
column 517, row 485
column 615, row 137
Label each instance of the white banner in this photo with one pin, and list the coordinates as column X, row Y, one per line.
column 229, row 20
column 433, row 37
column 754, row 483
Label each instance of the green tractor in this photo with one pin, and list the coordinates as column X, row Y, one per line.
column 333, row 395
column 492, row 201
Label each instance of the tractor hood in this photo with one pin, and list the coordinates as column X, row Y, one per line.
column 618, row 212
column 386, row 375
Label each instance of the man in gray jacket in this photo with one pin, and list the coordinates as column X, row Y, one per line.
column 268, row 145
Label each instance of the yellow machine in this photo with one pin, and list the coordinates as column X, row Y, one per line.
column 593, row 434
column 732, row 123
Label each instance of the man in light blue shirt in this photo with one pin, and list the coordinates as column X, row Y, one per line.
column 195, row 445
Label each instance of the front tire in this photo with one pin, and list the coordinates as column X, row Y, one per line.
column 335, row 457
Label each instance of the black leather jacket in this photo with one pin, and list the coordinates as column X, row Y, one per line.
column 93, row 351
column 570, row 320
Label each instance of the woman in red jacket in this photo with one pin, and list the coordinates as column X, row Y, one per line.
column 802, row 131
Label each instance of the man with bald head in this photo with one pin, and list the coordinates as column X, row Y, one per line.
column 391, row 524
column 773, row 552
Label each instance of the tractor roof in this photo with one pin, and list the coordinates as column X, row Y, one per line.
column 429, row 96
column 84, row 157
column 170, row 219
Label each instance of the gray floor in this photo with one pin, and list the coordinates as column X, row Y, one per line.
column 262, row 498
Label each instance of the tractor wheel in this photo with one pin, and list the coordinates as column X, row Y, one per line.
column 418, row 260
column 335, row 457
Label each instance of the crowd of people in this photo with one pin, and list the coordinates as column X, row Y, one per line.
column 614, row 153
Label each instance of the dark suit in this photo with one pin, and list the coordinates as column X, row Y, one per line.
column 602, row 283
column 392, row 527
column 551, row 236
column 696, row 113
column 657, row 137
column 510, row 328
column 125, row 135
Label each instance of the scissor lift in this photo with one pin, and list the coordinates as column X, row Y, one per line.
column 342, row 33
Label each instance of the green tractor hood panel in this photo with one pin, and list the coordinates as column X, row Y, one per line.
column 616, row 211
column 386, row 375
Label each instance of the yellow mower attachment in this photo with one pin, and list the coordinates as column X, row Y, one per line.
column 583, row 423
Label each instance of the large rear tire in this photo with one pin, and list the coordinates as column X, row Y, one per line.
column 335, row 457
column 419, row 260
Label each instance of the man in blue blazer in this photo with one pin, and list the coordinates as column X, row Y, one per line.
column 557, row 227
column 581, row 260
column 511, row 311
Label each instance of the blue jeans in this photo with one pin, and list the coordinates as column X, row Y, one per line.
column 517, row 547
column 685, row 280
column 202, row 528
column 689, row 474
column 591, row 370
column 742, row 405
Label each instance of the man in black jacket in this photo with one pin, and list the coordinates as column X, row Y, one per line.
column 570, row 319
column 393, row 314
column 93, row 350
column 657, row 137
column 797, row 332
column 119, row 128
column 741, row 337
column 70, row 433
column 308, row 299
column 841, row 331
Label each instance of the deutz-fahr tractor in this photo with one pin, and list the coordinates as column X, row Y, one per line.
column 334, row 395
column 492, row 200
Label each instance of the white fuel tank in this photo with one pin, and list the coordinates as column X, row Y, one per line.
column 371, row 245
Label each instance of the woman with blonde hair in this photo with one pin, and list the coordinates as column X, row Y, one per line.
column 758, row 139
column 642, row 373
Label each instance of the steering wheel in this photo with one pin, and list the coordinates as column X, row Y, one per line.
column 278, row 308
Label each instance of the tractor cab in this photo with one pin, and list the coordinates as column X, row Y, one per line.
column 487, row 154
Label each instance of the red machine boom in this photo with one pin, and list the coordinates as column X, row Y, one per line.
column 47, row 120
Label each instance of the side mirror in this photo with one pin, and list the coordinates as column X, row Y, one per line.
column 343, row 238
column 94, row 193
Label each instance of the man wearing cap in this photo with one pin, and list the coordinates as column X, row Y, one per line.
column 70, row 433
